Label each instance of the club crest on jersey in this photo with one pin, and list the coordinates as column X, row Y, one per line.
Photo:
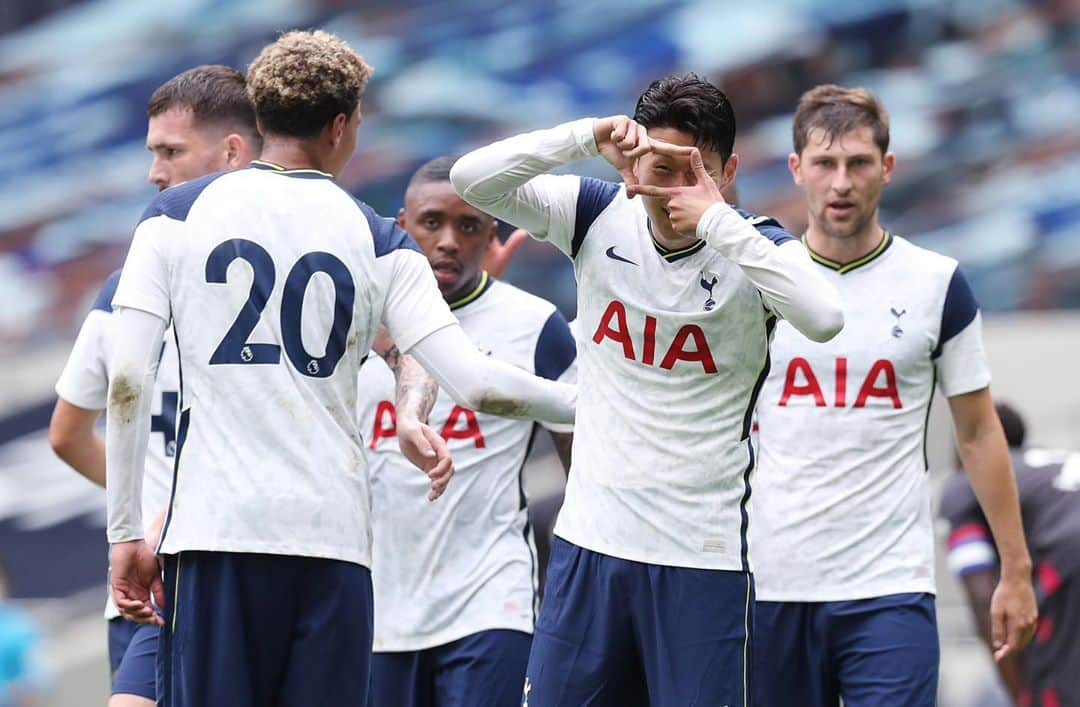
column 708, row 286
column 897, row 332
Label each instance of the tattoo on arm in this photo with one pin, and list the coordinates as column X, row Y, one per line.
column 414, row 389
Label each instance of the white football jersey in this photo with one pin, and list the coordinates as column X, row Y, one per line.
column 841, row 505
column 275, row 281
column 465, row 563
column 673, row 347
column 84, row 382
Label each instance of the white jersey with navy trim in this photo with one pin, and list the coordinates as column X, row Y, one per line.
column 84, row 382
column 275, row 281
column 465, row 563
column 841, row 504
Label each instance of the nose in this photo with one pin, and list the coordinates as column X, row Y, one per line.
column 841, row 182
column 157, row 174
column 446, row 239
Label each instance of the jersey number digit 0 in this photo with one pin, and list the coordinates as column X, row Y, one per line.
column 234, row 347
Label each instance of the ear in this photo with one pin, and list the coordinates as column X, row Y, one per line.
column 337, row 128
column 401, row 217
column 237, row 152
column 793, row 166
column 887, row 167
column 728, row 174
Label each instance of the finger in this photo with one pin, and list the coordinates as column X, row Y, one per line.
column 998, row 633
column 698, row 165
column 441, row 470
column 669, row 150
column 157, row 591
column 652, row 190
column 629, row 139
column 618, row 129
column 644, row 146
column 514, row 241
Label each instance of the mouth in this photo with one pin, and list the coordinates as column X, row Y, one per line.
column 446, row 270
column 840, row 209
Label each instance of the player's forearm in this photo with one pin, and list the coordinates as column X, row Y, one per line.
column 74, row 439
column 984, row 453
column 131, row 379
column 495, row 178
column 488, row 385
column 783, row 274
column 415, row 391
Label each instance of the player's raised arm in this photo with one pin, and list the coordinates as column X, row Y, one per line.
column 501, row 179
column 778, row 266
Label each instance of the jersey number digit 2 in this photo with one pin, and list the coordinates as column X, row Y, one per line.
column 234, row 347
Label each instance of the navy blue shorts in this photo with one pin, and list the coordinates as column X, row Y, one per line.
column 617, row 632
column 121, row 631
column 136, row 675
column 875, row 652
column 246, row 629
column 485, row 669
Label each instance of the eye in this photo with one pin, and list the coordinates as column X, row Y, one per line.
column 430, row 223
column 170, row 152
column 662, row 169
column 823, row 162
column 469, row 227
column 860, row 162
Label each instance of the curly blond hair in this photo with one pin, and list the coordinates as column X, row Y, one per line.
column 837, row 111
column 301, row 81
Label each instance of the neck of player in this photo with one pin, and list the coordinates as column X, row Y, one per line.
column 295, row 153
column 846, row 248
column 461, row 295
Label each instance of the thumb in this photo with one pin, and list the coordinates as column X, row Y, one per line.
column 423, row 443
column 157, row 591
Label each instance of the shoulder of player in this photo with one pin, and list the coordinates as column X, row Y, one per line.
column 103, row 301
column 524, row 305
column 386, row 235
column 175, row 202
column 922, row 259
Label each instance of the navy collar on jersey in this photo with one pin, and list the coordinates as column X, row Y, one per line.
column 307, row 173
column 484, row 285
column 672, row 255
column 886, row 241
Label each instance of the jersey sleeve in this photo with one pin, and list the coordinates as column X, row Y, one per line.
column 506, row 179
column 414, row 306
column 84, row 381
column 959, row 356
column 969, row 545
column 144, row 283
column 555, row 357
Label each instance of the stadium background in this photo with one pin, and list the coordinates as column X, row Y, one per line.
column 984, row 97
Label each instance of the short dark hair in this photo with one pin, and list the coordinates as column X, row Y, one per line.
column 304, row 80
column 435, row 170
column 1013, row 424
column 693, row 105
column 215, row 94
column 837, row 111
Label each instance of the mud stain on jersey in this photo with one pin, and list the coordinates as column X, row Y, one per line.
column 123, row 399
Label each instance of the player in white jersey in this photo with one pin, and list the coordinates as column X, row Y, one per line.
column 266, row 545
column 199, row 122
column 453, row 619
column 843, row 544
column 649, row 594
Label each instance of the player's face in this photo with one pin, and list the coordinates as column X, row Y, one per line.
column 182, row 150
column 665, row 171
column 843, row 179
column 452, row 234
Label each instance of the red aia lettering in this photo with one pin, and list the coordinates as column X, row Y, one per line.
column 810, row 388
column 613, row 326
column 869, row 389
column 471, row 430
column 385, row 423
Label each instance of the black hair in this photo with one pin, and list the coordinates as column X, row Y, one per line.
column 693, row 105
column 1013, row 424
